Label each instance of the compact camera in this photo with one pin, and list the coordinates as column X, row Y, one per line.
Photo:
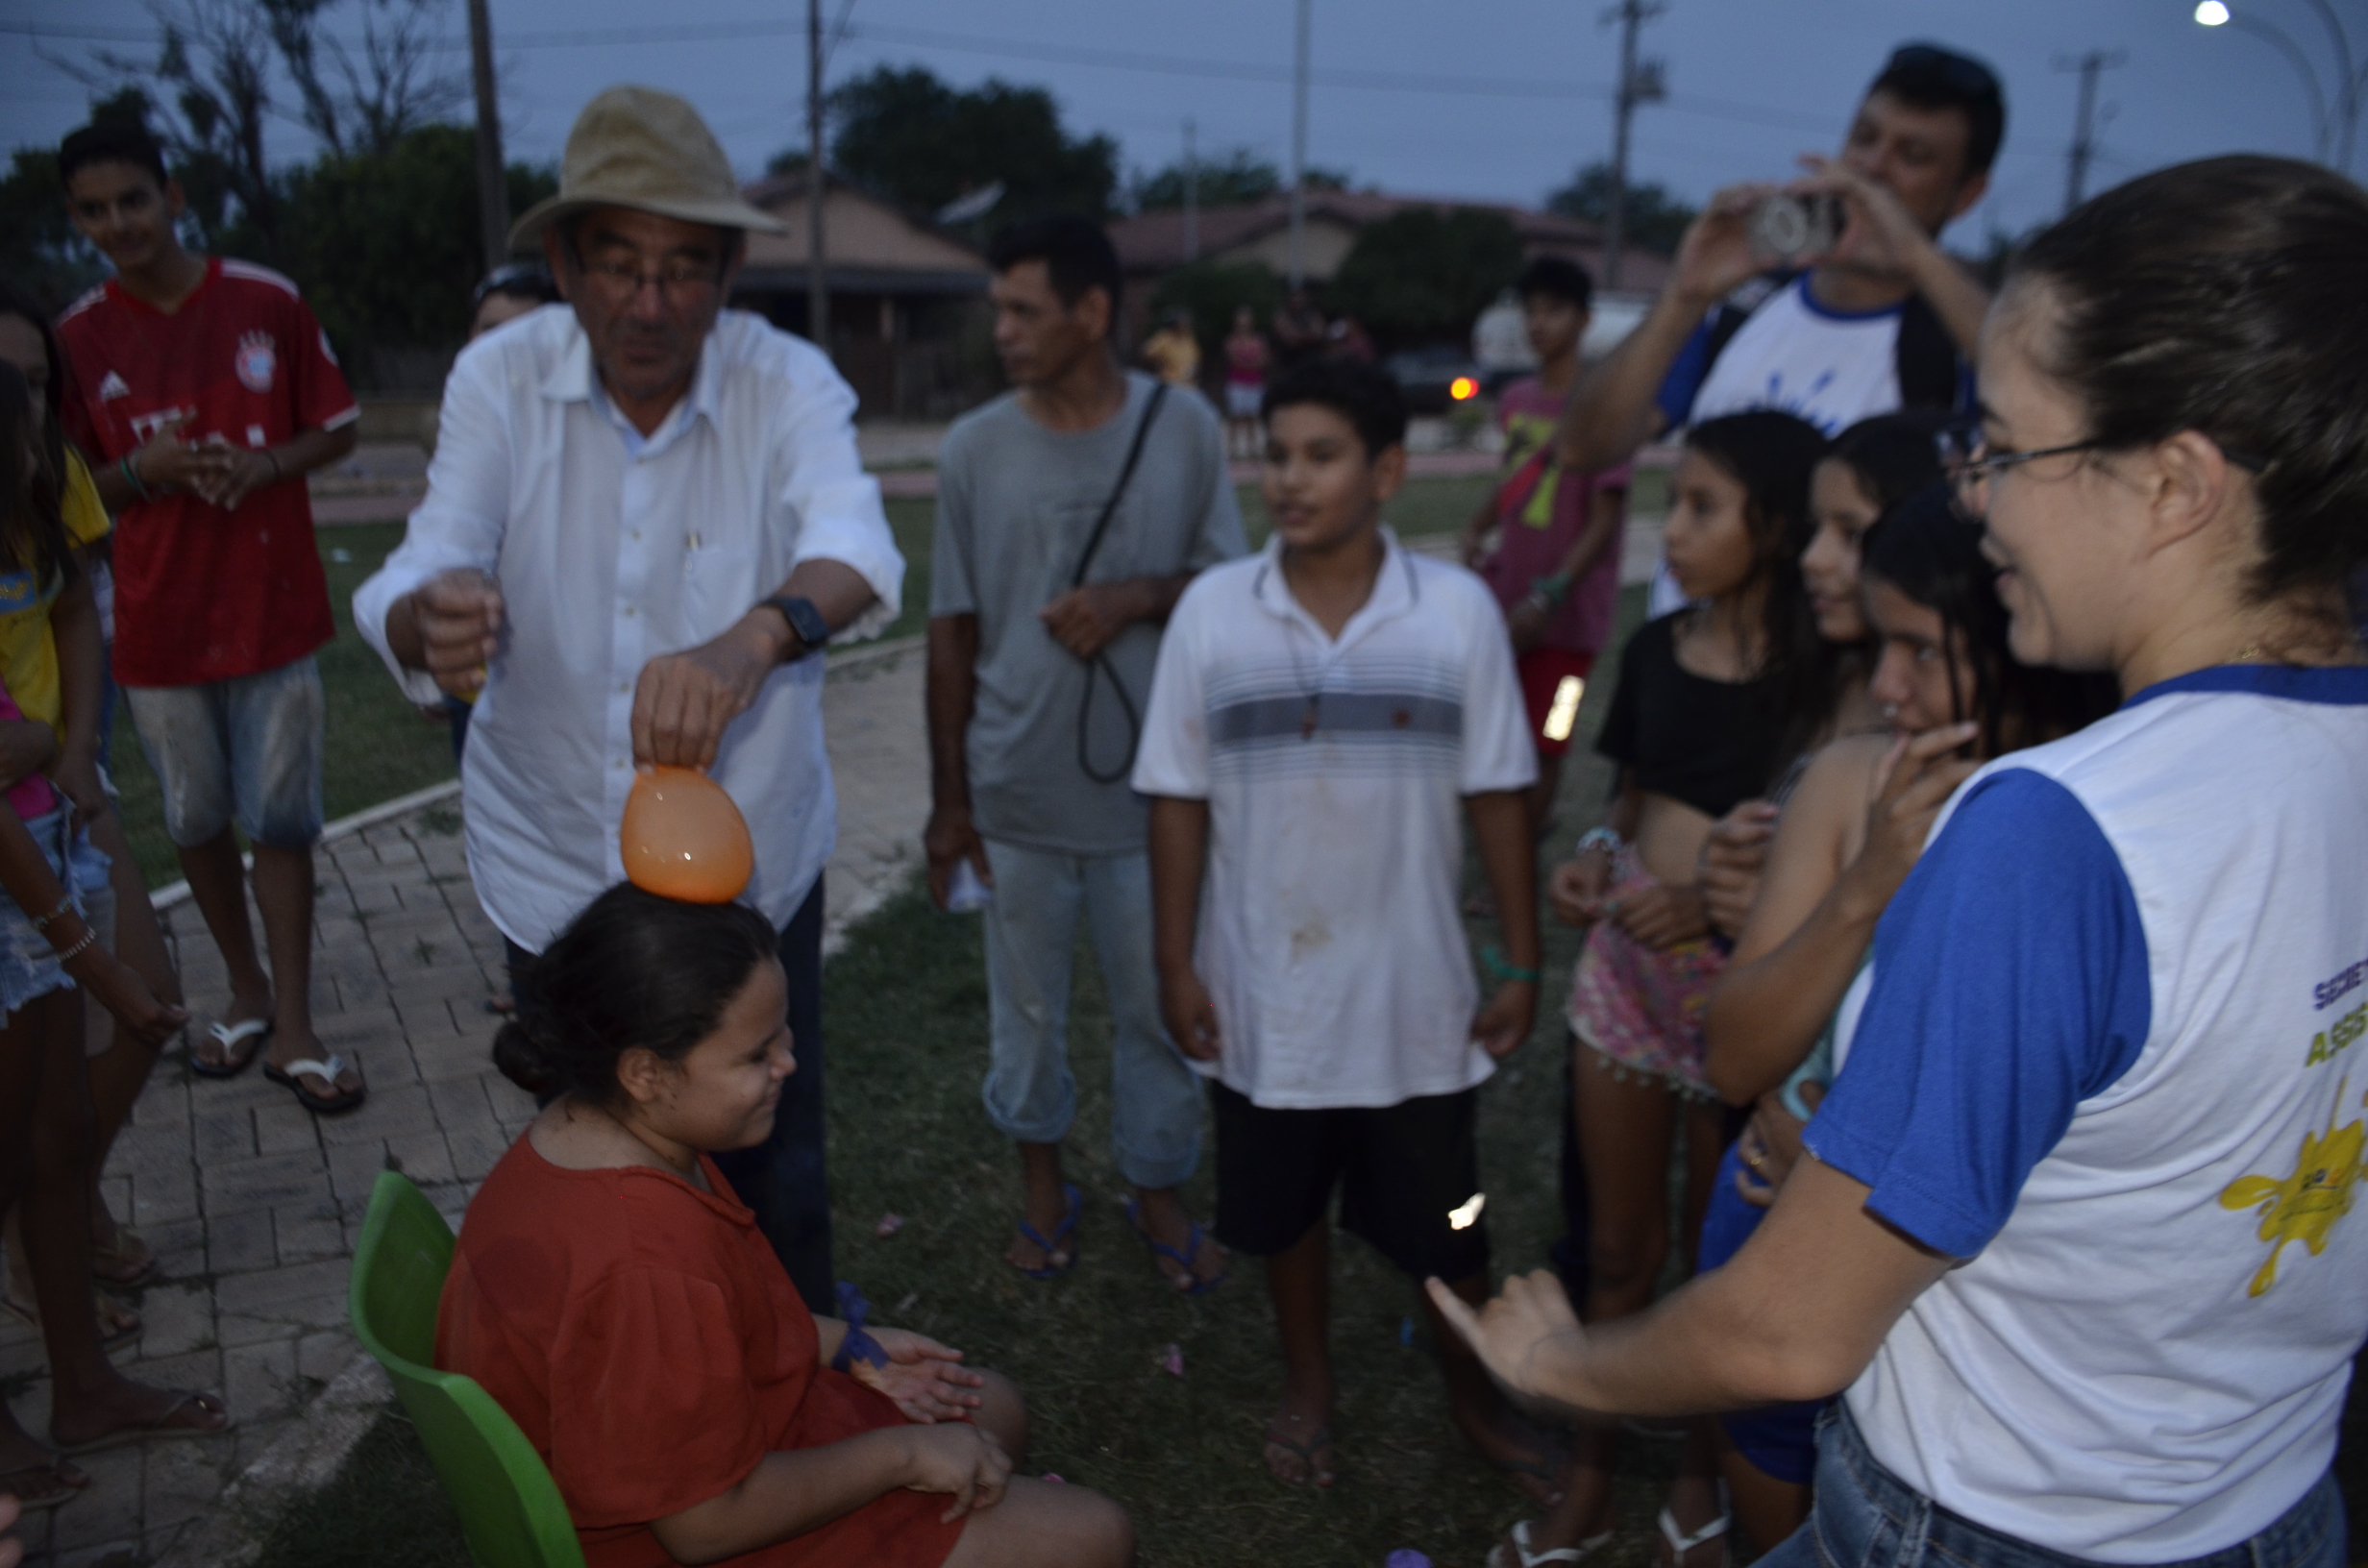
column 1787, row 228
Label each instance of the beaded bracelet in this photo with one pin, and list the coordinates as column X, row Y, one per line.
column 41, row 922
column 1493, row 959
column 89, row 940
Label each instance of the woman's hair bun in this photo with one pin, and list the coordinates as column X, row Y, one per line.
column 523, row 1062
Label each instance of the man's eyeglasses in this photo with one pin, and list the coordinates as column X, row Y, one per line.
column 678, row 282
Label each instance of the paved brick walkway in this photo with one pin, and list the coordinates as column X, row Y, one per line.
column 253, row 1204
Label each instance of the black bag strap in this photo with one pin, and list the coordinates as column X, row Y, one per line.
column 1118, row 491
column 1098, row 665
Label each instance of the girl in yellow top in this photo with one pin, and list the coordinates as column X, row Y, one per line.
column 53, row 662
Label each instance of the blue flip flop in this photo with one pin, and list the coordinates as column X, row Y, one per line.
column 1184, row 1259
column 1061, row 1234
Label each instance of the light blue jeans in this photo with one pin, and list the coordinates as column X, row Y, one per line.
column 1867, row 1517
column 249, row 748
column 1030, row 1095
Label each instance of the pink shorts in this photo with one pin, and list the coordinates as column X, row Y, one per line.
column 1640, row 1008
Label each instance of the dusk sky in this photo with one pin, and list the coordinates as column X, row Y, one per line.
column 1480, row 98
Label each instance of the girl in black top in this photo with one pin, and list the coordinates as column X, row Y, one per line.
column 1698, row 724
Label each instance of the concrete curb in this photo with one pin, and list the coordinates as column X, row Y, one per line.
column 305, row 1459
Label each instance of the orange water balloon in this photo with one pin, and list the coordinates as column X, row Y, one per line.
column 683, row 838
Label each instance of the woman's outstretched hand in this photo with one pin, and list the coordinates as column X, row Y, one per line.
column 926, row 1379
column 960, row 1460
column 1527, row 1338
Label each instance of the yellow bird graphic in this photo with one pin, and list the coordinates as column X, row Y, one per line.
column 2303, row 1207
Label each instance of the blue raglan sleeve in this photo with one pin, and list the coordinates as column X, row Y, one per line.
column 1683, row 381
column 2010, row 984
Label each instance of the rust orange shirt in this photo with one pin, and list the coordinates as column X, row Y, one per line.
column 647, row 1340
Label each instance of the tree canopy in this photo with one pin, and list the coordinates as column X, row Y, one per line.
column 1231, row 179
column 1651, row 216
column 922, row 142
column 1425, row 275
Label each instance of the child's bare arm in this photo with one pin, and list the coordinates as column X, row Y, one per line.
column 26, row 878
column 26, row 748
column 1500, row 827
column 1179, row 857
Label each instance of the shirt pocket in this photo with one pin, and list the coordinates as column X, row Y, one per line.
column 721, row 578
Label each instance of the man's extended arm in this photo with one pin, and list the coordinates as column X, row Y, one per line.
column 1612, row 411
column 684, row 701
column 952, row 689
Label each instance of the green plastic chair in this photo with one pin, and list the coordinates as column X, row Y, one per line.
column 511, row 1508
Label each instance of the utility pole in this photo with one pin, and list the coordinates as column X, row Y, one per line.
column 1192, row 197
column 817, row 185
column 2083, row 147
column 492, row 185
column 1640, row 83
column 1298, row 154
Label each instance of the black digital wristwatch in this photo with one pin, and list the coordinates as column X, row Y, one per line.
column 804, row 619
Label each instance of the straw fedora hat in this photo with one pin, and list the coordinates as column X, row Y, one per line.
column 649, row 150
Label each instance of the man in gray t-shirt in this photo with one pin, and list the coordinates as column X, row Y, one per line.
column 1044, row 629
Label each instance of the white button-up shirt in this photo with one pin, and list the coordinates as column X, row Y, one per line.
column 612, row 551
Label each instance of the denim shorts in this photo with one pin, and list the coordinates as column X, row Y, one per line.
column 29, row 967
column 248, row 747
column 1867, row 1517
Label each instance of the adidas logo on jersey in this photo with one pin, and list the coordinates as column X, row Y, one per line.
column 114, row 386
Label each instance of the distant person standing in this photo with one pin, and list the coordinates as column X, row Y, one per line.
column 511, row 290
column 1071, row 514
column 208, row 391
column 1298, row 329
column 1547, row 542
column 1173, row 353
column 1245, row 383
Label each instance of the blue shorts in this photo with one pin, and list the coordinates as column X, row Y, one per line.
column 1779, row 1440
column 248, row 747
column 29, row 967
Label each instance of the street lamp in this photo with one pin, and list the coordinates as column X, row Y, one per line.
column 2336, row 126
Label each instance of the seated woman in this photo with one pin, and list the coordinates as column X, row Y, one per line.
column 1780, row 1020
column 617, row 1300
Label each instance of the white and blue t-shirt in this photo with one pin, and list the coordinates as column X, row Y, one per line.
column 2108, row 1060
column 1831, row 368
column 1335, row 770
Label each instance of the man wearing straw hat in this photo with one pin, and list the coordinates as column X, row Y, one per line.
column 645, row 518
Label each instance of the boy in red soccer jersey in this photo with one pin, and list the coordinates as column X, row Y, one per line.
column 209, row 392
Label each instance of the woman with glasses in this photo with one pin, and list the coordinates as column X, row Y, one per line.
column 2074, row 1234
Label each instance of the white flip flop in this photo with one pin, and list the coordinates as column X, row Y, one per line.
column 1560, row 1553
column 230, row 1036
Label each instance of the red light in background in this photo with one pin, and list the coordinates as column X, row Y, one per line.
column 1463, row 388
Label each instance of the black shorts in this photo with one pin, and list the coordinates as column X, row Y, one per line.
column 1401, row 1168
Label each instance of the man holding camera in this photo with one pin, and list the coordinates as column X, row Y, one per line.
column 1765, row 310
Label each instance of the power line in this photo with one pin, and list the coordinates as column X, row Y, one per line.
column 1062, row 55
